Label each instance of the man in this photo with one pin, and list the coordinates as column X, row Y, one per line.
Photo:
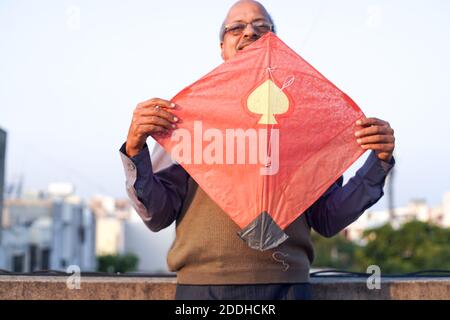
column 210, row 260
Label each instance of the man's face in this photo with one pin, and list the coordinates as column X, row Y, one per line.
column 246, row 12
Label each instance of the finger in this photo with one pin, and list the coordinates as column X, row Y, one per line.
column 160, row 113
column 384, row 147
column 156, row 102
column 151, row 129
column 379, row 138
column 155, row 120
column 365, row 122
column 373, row 130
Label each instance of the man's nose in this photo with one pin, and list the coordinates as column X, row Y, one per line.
column 249, row 31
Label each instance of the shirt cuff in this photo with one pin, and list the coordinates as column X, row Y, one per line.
column 133, row 169
column 387, row 165
column 375, row 170
column 142, row 168
column 142, row 158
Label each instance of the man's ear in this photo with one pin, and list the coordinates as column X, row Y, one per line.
column 221, row 49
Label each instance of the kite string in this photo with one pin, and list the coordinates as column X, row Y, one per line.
column 270, row 70
column 269, row 149
column 287, row 83
column 269, row 146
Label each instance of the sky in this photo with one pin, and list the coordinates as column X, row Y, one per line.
column 71, row 73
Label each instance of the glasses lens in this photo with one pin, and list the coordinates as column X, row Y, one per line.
column 261, row 27
column 236, row 28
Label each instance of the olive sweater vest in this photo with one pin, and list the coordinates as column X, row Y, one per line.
column 208, row 250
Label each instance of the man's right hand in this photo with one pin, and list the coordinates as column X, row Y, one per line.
column 150, row 118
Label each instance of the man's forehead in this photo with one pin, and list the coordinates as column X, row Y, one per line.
column 243, row 10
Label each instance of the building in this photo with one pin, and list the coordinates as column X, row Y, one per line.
column 414, row 210
column 150, row 247
column 48, row 230
column 2, row 174
column 110, row 215
column 120, row 230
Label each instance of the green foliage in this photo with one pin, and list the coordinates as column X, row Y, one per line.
column 117, row 263
column 336, row 252
column 413, row 247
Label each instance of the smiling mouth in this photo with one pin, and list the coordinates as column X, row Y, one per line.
column 243, row 46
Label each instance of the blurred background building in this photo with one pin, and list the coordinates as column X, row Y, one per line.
column 416, row 209
column 2, row 174
column 121, row 231
column 48, row 230
column 52, row 229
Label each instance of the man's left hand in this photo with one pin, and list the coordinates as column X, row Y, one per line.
column 377, row 135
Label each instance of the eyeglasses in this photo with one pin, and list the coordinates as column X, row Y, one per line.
column 238, row 28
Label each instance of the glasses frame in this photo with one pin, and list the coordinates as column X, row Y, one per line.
column 226, row 28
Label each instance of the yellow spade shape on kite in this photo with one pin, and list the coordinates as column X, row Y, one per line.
column 268, row 100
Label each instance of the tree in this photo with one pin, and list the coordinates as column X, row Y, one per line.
column 336, row 252
column 117, row 263
column 413, row 247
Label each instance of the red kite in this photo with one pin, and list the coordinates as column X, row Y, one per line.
column 264, row 135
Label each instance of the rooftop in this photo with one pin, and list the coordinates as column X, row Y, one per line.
column 31, row 287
